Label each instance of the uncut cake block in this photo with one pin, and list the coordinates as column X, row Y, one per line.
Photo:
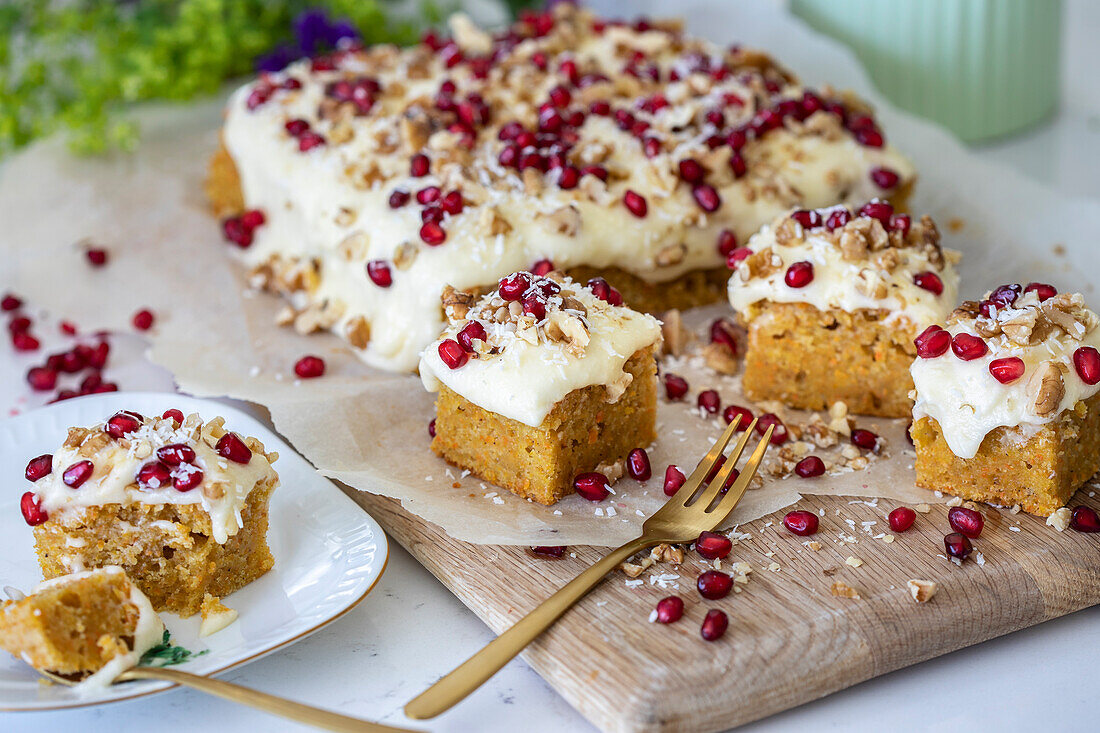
column 541, row 380
column 180, row 504
column 1006, row 406
column 832, row 299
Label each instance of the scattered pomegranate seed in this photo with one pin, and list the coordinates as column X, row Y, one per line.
column 810, row 467
column 932, row 342
column 712, row 545
column 901, row 223
column 593, row 485
column 779, row 434
column 173, row 414
column 431, row 428
column 738, row 166
column 176, row 453
column 709, row 401
column 721, row 332
column 674, row 479
column 154, row 475
column 967, row 521
column 514, row 286
column 603, row 290
column 309, row 367
column 929, row 281
column 1042, row 290
column 968, row 347
column 801, row 522
column 1005, row 295
column 733, row 411
column 837, row 218
column 691, row 170
column 122, row 423
column 884, row 177
column 807, row 218
column 635, row 203
column 881, row 210
column 637, row 465
column 865, row 439
column 714, row 584
column 143, row 320
column 555, row 552
column 1010, row 368
column 433, row 234
column 901, row 519
column 419, row 165
column 534, row 305
column 19, row 324
column 186, row 477
column 472, row 331
column 714, row 625
column 737, row 256
column 253, row 218
column 97, row 257
column 67, row 328
column 399, row 198
column 957, row 545
column 1086, row 360
column 33, row 513
column 800, row 274
column 452, row 354
column 97, row 357
column 41, row 379
column 542, row 267
column 675, row 386
column 707, row 197
column 669, row 610
column 39, row 467
column 379, row 273
column 232, row 447
column 869, row 137
column 76, row 474
column 1084, row 519
column 727, row 245
column 309, row 140
column 24, row 342
column 9, row 303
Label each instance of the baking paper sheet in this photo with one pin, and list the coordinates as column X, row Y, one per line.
column 368, row 428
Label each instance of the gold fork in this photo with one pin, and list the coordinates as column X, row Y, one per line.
column 681, row 519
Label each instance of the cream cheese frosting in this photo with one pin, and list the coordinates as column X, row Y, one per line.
column 965, row 398
column 567, row 141
column 219, row 485
column 526, row 362
column 856, row 262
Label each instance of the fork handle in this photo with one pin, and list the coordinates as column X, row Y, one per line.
column 324, row 719
column 476, row 670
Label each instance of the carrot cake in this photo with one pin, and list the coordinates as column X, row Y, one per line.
column 1006, row 407
column 542, row 380
column 91, row 626
column 362, row 182
column 182, row 507
column 832, row 299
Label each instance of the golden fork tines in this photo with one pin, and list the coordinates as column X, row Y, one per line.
column 697, row 507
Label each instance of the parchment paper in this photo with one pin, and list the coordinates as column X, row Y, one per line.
column 368, row 428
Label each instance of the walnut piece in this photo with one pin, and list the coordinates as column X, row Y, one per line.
column 843, row 590
column 456, row 303
column 1049, row 389
column 720, row 358
column 921, row 590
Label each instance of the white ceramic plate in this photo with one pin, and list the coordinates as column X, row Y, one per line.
column 328, row 552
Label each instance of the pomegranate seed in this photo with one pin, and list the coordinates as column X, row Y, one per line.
column 800, row 274
column 712, row 545
column 41, row 379
column 253, row 218
column 19, row 325
column 296, row 127
column 1084, row 519
column 452, row 354
column 669, row 610
column 966, row 521
column 801, row 522
column 714, row 584
column 1042, row 290
column 714, row 625
column 707, row 198
column 968, row 347
column 10, row 302
column 737, row 256
column 957, row 545
column 838, row 218
column 432, row 234
column 876, row 209
column 779, row 434
column 810, row 467
column 90, row 382
column 733, row 411
column 428, row 195
column 637, row 465
column 514, row 286
column 33, row 513
column 534, row 305
column 807, row 218
column 932, row 342
column 176, row 453
column 309, row 140
column 76, row 474
column 555, row 552
column 470, row 332
column 929, row 281
column 635, row 203
column 709, row 401
column 67, row 328
column 674, row 479
column 143, row 320
column 542, row 267
column 691, row 171
column 24, row 342
column 721, row 332
column 675, row 386
column 603, row 290
column 39, row 467
column 431, row 428
column 399, row 198
column 901, row 223
column 569, row 179
column 901, row 519
column 232, row 447
column 97, row 257
column 865, row 439
column 173, row 414
column 154, row 475
column 738, row 166
column 72, row 362
column 1010, row 369
column 419, row 165
column 593, row 486
column 122, row 424
column 97, row 357
column 727, row 244
column 309, row 367
column 1086, row 360
column 186, row 477
column 884, row 177
column 379, row 273
column 869, row 137
column 560, row 97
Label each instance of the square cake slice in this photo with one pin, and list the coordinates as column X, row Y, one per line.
column 1007, row 409
column 832, row 299
column 541, row 380
column 181, row 506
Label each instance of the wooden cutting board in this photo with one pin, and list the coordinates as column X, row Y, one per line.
column 790, row 640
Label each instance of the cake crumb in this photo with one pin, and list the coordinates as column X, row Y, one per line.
column 813, row 545
column 1060, row 519
column 954, row 501
column 215, row 615
column 922, row 590
column 922, row 508
column 843, row 590
column 855, row 562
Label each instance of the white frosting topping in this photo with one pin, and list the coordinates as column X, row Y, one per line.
column 526, row 366
column 968, row 402
column 329, row 205
column 855, row 267
column 222, row 493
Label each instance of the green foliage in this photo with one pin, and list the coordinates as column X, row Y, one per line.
column 165, row 654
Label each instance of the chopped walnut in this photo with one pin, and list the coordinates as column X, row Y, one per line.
column 616, row 389
column 1047, row 386
column 720, row 358
column 671, row 255
column 922, row 590
column 676, row 336
column 456, row 303
column 357, row 331
column 843, row 590
column 569, row 329
column 1060, row 519
column 566, row 220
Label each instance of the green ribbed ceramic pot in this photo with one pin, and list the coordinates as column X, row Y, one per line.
column 983, row 68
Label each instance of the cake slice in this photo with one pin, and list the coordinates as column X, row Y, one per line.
column 93, row 623
column 1006, row 406
column 832, row 299
column 540, row 380
column 180, row 504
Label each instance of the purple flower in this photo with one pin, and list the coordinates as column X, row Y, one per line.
column 277, row 58
column 314, row 34
column 311, row 28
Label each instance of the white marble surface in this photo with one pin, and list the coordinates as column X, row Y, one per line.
column 410, row 629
